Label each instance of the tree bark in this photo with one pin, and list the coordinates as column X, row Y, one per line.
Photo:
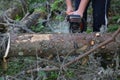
column 31, row 19
column 45, row 45
column 28, row 21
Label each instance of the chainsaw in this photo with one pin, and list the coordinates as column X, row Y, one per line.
column 75, row 23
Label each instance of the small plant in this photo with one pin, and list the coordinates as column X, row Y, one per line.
column 38, row 28
column 41, row 74
column 69, row 74
column 59, row 17
column 89, row 30
column 56, row 5
column 52, row 76
column 13, row 67
column 18, row 18
column 41, row 9
column 113, row 28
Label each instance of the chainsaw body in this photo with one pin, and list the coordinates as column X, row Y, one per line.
column 76, row 23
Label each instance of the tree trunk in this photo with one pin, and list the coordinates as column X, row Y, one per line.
column 45, row 45
column 28, row 21
column 31, row 19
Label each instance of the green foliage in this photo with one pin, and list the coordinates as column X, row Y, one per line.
column 70, row 74
column 42, row 74
column 18, row 18
column 52, row 76
column 33, row 1
column 46, row 7
column 34, row 4
column 56, row 5
column 41, row 9
column 115, row 6
column 38, row 28
column 113, row 28
column 6, row 4
column 116, row 17
column 89, row 30
column 14, row 67
column 59, row 17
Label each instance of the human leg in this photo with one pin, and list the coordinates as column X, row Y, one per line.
column 100, row 11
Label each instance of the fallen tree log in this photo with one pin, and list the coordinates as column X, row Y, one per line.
column 45, row 45
column 27, row 21
column 31, row 19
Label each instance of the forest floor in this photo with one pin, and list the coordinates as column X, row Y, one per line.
column 39, row 68
column 28, row 68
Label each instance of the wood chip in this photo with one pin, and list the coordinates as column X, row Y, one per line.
column 92, row 42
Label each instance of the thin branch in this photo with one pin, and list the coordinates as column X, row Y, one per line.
column 20, row 26
column 26, row 15
column 43, row 69
column 93, row 49
column 8, row 46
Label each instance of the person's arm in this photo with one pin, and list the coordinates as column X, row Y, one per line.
column 82, row 7
column 80, row 10
column 69, row 7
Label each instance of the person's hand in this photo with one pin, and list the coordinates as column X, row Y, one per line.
column 76, row 13
column 69, row 11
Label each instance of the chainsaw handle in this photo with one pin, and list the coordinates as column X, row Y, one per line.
column 74, row 18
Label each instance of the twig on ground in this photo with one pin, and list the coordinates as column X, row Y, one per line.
column 13, row 23
column 93, row 49
column 47, row 69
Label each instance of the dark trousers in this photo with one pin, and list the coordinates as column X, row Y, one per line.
column 100, row 11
